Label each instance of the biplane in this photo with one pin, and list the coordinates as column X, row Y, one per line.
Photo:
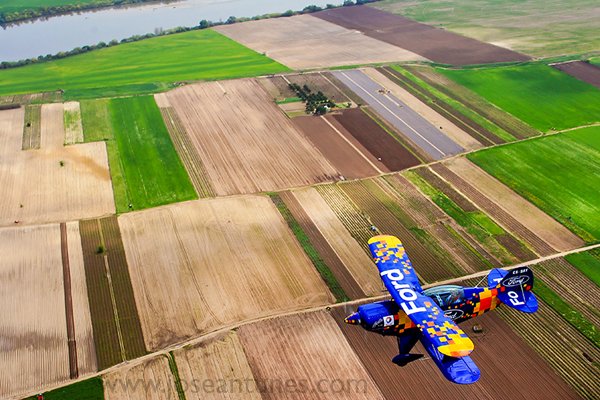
column 432, row 315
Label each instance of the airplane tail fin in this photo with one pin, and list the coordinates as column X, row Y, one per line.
column 514, row 288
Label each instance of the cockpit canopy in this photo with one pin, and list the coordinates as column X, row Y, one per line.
column 445, row 295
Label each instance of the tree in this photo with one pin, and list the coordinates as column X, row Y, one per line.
column 204, row 24
column 231, row 20
column 348, row 3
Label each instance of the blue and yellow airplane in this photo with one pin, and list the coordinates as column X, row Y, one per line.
column 431, row 315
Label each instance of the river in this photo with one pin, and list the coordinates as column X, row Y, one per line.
column 61, row 33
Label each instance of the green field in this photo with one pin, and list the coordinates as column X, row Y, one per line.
column 145, row 168
column 588, row 263
column 90, row 389
column 537, row 94
column 8, row 6
column 558, row 173
column 141, row 67
column 536, row 27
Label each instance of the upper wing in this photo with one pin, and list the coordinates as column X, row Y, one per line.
column 389, row 254
column 401, row 281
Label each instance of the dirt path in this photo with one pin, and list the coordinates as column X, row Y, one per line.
column 64, row 247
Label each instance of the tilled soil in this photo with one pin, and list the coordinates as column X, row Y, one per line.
column 433, row 43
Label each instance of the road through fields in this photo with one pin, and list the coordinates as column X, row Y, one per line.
column 400, row 115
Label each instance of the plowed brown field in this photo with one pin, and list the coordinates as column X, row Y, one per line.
column 436, row 44
column 199, row 265
column 509, row 367
column 216, row 370
column 541, row 224
column 376, row 140
column 149, row 380
column 572, row 356
column 343, row 154
column 245, row 142
column 581, row 70
column 34, row 327
column 309, row 351
column 36, row 188
column 305, row 42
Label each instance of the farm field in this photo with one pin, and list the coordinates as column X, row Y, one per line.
column 430, row 260
column 584, row 71
column 10, row 6
column 456, row 113
column 435, row 44
column 246, row 143
column 572, row 356
column 221, row 360
column 386, row 149
column 346, row 157
column 455, row 133
column 414, row 127
column 151, row 379
column 588, row 263
column 318, row 352
column 298, row 42
column 142, row 67
column 509, row 367
column 73, row 128
column 55, row 183
column 153, row 174
column 540, row 224
column 352, row 257
column 567, row 101
column 501, row 247
column 538, row 28
column 34, row 327
column 501, row 124
column 200, row 265
column 90, row 389
column 115, row 321
column 558, row 174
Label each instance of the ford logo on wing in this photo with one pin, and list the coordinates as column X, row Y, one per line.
column 516, row 281
column 454, row 314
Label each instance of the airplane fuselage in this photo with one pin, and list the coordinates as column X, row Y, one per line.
column 458, row 303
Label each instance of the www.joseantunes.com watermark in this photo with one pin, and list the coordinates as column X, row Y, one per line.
column 239, row 386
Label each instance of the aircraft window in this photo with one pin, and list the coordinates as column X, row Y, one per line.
column 445, row 295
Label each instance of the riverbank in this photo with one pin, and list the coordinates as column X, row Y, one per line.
column 33, row 9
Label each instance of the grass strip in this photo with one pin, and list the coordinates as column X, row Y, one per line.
column 573, row 316
column 176, row 377
column 476, row 223
column 310, row 251
column 90, row 389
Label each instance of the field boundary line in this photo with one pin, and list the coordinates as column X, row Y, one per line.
column 351, row 144
column 327, row 307
column 71, row 340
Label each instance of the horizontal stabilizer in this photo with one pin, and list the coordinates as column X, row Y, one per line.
column 514, row 288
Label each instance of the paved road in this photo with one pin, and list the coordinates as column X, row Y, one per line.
column 420, row 131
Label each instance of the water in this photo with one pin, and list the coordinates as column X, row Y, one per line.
column 63, row 33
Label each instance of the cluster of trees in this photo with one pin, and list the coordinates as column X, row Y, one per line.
column 8, row 17
column 316, row 103
column 204, row 24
